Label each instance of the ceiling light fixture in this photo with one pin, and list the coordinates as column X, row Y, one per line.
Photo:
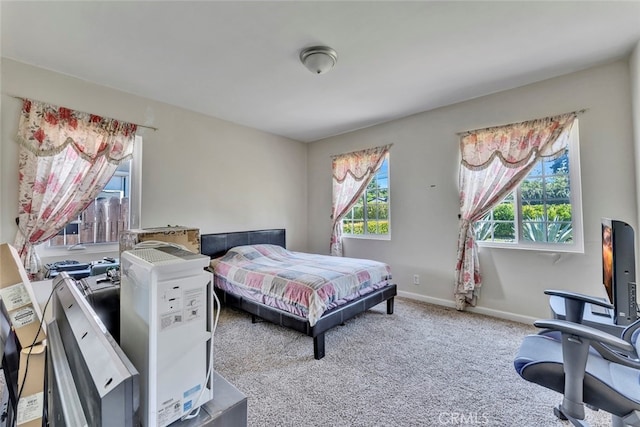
column 319, row 59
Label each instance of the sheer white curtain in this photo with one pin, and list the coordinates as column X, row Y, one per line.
column 352, row 172
column 66, row 158
column 494, row 161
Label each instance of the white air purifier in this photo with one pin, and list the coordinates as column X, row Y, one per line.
column 166, row 330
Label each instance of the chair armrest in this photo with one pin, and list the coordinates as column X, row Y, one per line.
column 579, row 297
column 585, row 332
column 628, row 332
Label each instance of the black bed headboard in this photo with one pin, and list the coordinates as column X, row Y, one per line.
column 217, row 244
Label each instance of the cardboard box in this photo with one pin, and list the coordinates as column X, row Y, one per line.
column 31, row 404
column 19, row 299
column 185, row 236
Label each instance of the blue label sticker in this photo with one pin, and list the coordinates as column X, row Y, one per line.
column 191, row 390
column 187, row 406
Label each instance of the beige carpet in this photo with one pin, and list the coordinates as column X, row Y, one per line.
column 422, row 366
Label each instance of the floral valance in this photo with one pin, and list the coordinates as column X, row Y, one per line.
column 46, row 130
column 358, row 164
column 514, row 144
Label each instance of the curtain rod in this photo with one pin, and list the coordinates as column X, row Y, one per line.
column 141, row 126
column 497, row 126
column 333, row 156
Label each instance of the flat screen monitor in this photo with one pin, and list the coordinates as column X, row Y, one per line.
column 618, row 269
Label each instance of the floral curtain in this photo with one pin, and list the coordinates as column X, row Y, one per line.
column 66, row 158
column 494, row 161
column 352, row 172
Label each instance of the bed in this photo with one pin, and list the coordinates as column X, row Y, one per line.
column 231, row 253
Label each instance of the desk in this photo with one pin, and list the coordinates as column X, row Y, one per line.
column 603, row 323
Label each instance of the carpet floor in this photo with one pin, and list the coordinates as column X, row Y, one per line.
column 424, row 365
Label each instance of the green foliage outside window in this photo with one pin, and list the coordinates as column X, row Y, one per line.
column 556, row 188
column 374, row 210
column 534, row 212
column 533, row 218
column 553, row 231
column 503, row 212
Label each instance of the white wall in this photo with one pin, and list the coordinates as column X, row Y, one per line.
column 424, row 195
column 198, row 171
column 634, row 70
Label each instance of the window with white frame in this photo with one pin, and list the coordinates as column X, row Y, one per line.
column 370, row 215
column 544, row 212
column 112, row 211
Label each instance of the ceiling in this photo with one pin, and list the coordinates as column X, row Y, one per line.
column 238, row 60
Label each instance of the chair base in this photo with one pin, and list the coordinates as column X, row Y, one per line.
column 632, row 419
column 557, row 411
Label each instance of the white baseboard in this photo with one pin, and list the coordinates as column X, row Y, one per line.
column 478, row 309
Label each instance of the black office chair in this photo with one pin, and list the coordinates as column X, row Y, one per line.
column 587, row 365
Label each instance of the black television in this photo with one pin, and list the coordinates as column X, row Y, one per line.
column 619, row 269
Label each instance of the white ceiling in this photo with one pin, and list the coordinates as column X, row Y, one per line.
column 238, row 60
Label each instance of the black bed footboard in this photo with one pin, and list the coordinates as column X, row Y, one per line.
column 330, row 319
column 341, row 314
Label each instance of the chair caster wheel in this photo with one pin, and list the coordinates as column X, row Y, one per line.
column 559, row 414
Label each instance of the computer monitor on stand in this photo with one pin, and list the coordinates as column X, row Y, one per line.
column 619, row 270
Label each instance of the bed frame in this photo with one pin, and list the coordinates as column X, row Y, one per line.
column 216, row 245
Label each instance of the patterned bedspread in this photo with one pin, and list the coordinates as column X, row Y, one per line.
column 303, row 284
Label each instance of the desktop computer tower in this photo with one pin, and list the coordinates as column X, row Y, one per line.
column 166, row 326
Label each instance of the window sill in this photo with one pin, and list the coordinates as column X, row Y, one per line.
column 546, row 248
column 367, row 236
column 88, row 253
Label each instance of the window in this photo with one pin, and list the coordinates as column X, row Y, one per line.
column 544, row 212
column 111, row 212
column 370, row 215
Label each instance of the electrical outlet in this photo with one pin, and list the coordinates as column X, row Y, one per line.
column 416, row 279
